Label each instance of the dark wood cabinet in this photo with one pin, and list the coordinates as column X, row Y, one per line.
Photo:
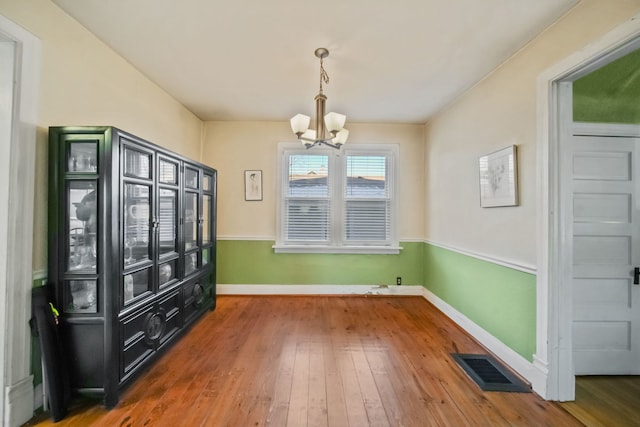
column 132, row 251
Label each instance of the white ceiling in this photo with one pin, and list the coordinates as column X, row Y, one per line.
column 390, row 61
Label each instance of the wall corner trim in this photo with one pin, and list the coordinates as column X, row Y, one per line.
column 532, row 372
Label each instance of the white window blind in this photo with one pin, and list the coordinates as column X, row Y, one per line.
column 367, row 199
column 308, row 202
column 336, row 200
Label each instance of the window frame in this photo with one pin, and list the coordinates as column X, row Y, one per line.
column 337, row 166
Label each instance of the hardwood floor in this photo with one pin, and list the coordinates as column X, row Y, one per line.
column 603, row 401
column 317, row 361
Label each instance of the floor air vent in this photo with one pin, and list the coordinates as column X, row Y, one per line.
column 489, row 374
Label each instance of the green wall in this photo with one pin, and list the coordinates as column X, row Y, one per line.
column 255, row 262
column 499, row 299
column 610, row 94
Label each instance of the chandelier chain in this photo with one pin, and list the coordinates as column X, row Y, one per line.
column 324, row 77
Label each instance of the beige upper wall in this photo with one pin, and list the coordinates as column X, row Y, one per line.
column 84, row 82
column 501, row 111
column 233, row 147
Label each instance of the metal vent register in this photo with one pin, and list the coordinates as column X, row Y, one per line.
column 489, row 374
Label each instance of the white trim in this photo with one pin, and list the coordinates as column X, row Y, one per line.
column 21, row 400
column 311, row 249
column 318, row 290
column 530, row 269
column 16, row 233
column 605, row 129
column 531, row 372
column 553, row 331
column 266, row 239
column 412, row 240
column 273, row 239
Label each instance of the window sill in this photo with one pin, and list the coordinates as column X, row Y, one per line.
column 311, row 249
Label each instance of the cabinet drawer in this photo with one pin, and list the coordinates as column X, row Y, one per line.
column 135, row 348
column 170, row 306
column 194, row 297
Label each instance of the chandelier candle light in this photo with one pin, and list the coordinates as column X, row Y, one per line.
column 333, row 122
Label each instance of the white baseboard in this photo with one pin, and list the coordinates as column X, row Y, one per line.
column 318, row 290
column 19, row 402
column 531, row 372
column 539, row 381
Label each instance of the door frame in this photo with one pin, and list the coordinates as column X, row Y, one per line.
column 17, row 174
column 554, row 346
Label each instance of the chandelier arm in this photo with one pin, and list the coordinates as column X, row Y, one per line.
column 336, row 146
column 315, row 142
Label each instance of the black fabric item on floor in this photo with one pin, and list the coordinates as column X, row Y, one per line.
column 44, row 324
column 489, row 374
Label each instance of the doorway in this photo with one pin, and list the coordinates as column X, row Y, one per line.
column 601, row 190
column 556, row 337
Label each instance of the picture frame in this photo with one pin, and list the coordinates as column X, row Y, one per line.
column 253, row 185
column 499, row 178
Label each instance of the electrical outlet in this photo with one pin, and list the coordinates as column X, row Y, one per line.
column 398, row 280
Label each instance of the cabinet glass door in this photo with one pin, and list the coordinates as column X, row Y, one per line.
column 207, row 182
column 135, row 284
column 82, row 226
column 206, row 219
column 137, row 163
column 190, row 221
column 137, row 218
column 190, row 177
column 191, row 232
column 206, row 256
column 81, row 296
column 82, row 157
column 167, row 215
column 168, row 172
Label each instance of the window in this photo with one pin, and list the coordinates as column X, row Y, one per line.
column 337, row 200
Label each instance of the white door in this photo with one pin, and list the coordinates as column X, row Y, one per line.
column 605, row 205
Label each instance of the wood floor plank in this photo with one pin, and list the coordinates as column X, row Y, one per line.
column 336, row 406
column 299, row 400
column 317, row 413
column 330, row 361
column 279, row 410
column 370, row 395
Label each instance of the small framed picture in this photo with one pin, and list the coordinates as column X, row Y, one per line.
column 252, row 185
column 499, row 178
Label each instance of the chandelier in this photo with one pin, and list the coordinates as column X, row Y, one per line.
column 333, row 122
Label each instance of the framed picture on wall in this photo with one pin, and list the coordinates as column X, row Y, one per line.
column 252, row 185
column 499, row 178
